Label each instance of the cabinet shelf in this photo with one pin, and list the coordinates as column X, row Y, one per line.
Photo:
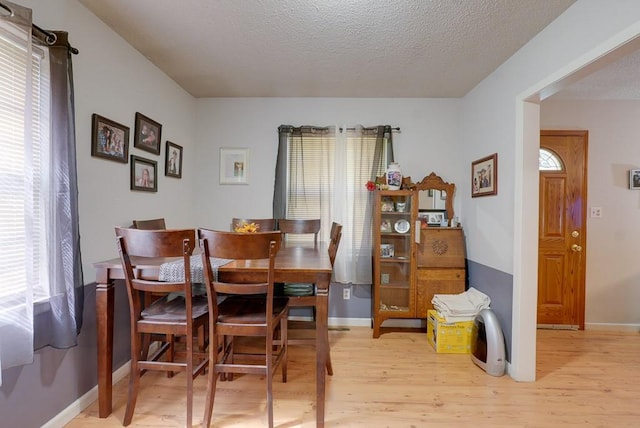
column 394, row 260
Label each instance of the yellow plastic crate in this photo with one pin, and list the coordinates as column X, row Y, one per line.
column 448, row 337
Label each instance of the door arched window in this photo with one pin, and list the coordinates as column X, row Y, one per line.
column 549, row 161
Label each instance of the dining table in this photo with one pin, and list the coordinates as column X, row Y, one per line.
column 296, row 262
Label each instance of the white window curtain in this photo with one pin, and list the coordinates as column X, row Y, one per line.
column 321, row 173
column 41, row 294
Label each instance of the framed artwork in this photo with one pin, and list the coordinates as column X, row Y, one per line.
column 234, row 166
column 431, row 218
column 109, row 139
column 484, row 176
column 148, row 134
column 144, row 174
column 173, row 160
column 634, row 179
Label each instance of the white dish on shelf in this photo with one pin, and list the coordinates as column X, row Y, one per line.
column 401, row 226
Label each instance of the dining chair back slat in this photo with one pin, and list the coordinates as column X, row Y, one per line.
column 153, row 224
column 300, row 227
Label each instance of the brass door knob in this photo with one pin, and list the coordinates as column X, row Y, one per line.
column 576, row 248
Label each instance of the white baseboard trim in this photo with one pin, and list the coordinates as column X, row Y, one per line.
column 75, row 408
column 627, row 328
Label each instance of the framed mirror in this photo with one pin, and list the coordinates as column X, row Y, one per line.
column 436, row 194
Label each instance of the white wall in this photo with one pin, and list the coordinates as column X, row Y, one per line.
column 115, row 81
column 493, row 120
column 613, row 241
column 426, row 143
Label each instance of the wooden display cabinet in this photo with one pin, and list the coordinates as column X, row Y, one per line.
column 393, row 256
column 411, row 262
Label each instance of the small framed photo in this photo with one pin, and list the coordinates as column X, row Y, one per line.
column 109, row 139
column 484, row 176
column 385, row 225
column 387, row 251
column 387, row 205
column 634, row 179
column 144, row 174
column 148, row 134
column 432, row 218
column 173, row 160
column 234, row 166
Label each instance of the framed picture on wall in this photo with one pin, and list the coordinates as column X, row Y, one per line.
column 484, row 176
column 634, row 179
column 148, row 134
column 109, row 139
column 144, row 174
column 173, row 160
column 234, row 166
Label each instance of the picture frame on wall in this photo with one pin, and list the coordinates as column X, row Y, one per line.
column 634, row 179
column 144, row 174
column 109, row 139
column 148, row 134
column 484, row 176
column 234, row 166
column 173, row 160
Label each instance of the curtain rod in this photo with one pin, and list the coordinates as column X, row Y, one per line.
column 353, row 129
column 51, row 38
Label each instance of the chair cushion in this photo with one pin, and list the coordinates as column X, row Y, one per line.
column 248, row 310
column 173, row 309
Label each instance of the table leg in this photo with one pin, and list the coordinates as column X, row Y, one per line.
column 322, row 343
column 104, row 316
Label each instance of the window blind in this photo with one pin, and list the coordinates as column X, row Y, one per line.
column 24, row 168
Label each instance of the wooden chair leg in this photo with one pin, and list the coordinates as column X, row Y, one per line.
column 189, row 375
column 211, row 381
column 134, row 380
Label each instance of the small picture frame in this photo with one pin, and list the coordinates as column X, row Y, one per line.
column 432, row 218
column 148, row 134
column 234, row 166
column 173, row 160
column 385, row 226
column 484, row 176
column 387, row 205
column 144, row 174
column 387, row 251
column 109, row 139
column 634, row 179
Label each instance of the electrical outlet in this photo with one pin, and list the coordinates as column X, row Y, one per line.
column 346, row 293
column 596, row 212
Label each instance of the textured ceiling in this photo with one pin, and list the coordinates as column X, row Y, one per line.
column 327, row 48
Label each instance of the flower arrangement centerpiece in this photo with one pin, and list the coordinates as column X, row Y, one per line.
column 246, row 228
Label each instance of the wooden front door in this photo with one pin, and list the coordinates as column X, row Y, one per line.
column 562, row 229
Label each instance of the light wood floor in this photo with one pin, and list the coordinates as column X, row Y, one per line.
column 584, row 378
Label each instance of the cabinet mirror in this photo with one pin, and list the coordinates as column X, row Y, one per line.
column 436, row 194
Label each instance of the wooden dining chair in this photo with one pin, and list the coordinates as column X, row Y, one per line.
column 249, row 309
column 310, row 300
column 299, row 227
column 264, row 224
column 177, row 315
column 153, row 224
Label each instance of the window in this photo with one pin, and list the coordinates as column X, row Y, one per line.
column 549, row 161
column 24, row 174
column 326, row 173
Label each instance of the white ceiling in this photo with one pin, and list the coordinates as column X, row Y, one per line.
column 340, row 48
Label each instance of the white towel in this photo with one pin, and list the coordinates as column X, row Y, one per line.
column 460, row 307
